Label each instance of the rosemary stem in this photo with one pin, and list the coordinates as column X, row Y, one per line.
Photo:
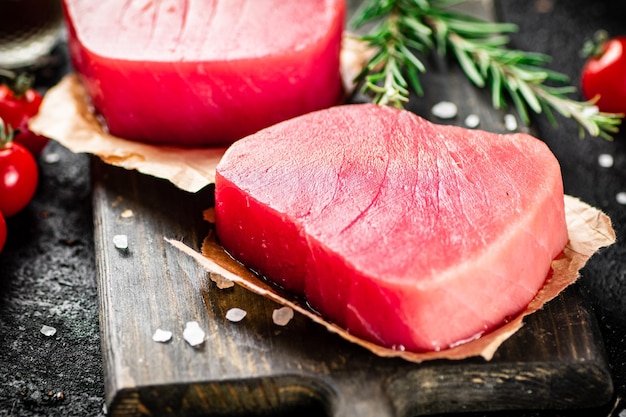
column 481, row 50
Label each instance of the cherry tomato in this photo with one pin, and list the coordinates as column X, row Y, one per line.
column 18, row 104
column 18, row 175
column 604, row 75
column 3, row 232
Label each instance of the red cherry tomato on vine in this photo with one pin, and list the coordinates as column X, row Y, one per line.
column 604, row 75
column 16, row 110
column 3, row 232
column 18, row 178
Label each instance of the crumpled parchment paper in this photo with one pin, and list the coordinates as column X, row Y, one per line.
column 589, row 230
column 66, row 116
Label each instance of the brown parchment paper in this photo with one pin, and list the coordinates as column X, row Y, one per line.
column 589, row 230
column 67, row 116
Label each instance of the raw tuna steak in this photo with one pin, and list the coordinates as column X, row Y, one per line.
column 406, row 233
column 205, row 72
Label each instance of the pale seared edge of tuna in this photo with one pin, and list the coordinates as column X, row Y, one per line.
column 406, row 233
column 205, row 72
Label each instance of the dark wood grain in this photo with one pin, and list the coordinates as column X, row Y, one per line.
column 257, row 368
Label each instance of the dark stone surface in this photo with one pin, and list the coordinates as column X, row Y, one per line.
column 561, row 32
column 47, row 269
column 47, row 277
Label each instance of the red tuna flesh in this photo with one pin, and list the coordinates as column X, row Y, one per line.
column 205, row 72
column 406, row 233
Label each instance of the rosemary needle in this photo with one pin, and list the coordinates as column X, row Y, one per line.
column 408, row 29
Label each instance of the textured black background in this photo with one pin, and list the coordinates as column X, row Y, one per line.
column 47, row 269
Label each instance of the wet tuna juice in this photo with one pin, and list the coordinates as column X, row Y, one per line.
column 29, row 29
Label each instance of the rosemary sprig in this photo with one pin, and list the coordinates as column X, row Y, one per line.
column 406, row 28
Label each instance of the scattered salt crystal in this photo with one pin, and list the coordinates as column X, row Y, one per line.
column 193, row 334
column 399, row 348
column 472, row 121
column 235, row 314
column 162, row 336
column 621, row 197
column 510, row 122
column 52, row 158
column 445, row 110
column 127, row 214
column 605, row 160
column 221, row 282
column 622, row 413
column 120, row 241
column 48, row 330
column 282, row 316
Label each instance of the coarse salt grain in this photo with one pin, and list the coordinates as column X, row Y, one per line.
column 445, row 110
column 48, row 330
column 193, row 334
column 235, row 314
column 221, row 282
column 605, row 160
column 472, row 121
column 621, row 197
column 282, row 316
column 162, row 336
column 510, row 122
column 127, row 214
column 120, row 241
column 51, row 158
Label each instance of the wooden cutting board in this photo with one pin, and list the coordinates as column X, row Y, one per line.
column 255, row 367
